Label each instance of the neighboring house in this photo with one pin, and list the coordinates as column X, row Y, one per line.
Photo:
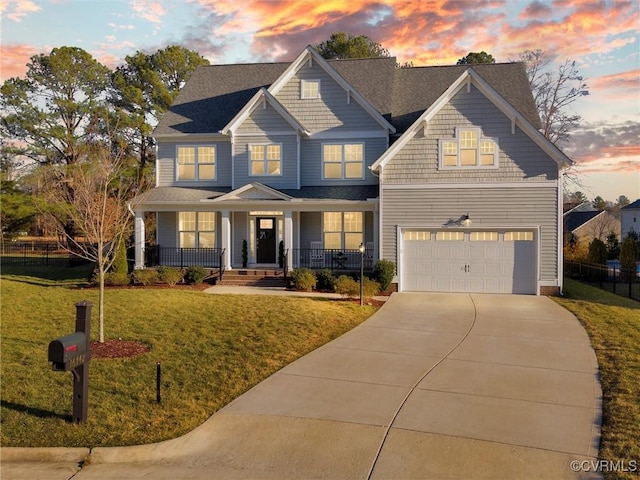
column 630, row 219
column 584, row 225
column 441, row 170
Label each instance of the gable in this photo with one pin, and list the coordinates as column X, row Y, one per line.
column 253, row 191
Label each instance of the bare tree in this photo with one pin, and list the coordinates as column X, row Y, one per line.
column 92, row 195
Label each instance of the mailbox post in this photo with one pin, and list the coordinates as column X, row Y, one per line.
column 72, row 354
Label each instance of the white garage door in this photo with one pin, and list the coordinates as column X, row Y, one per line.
column 500, row 261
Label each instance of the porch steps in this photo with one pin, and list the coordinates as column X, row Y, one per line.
column 253, row 278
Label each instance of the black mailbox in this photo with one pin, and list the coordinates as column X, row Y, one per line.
column 67, row 353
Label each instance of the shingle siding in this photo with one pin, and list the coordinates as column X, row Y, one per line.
column 520, row 159
column 487, row 207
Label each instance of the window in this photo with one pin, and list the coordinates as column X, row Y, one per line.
column 515, row 236
column 468, row 150
column 416, row 235
column 310, row 89
column 342, row 230
column 265, row 160
column 483, row 236
column 343, row 161
column 449, row 236
column 197, row 229
column 197, row 163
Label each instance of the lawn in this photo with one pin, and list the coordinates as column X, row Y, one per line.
column 613, row 323
column 212, row 348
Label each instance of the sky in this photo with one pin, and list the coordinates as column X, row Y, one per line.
column 601, row 37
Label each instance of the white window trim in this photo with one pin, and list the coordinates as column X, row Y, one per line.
column 343, row 163
column 265, row 160
column 302, row 84
column 196, row 163
column 456, row 139
column 197, row 230
column 342, row 230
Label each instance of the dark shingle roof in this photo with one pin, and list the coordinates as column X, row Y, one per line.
column 574, row 220
column 216, row 93
column 353, row 192
column 635, row 204
column 179, row 194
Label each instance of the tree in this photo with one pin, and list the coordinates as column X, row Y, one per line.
column 622, row 201
column 16, row 209
column 45, row 115
column 92, row 194
column 597, row 252
column 628, row 257
column 613, row 246
column 145, row 87
column 343, row 45
column 554, row 92
column 577, row 197
column 476, row 57
column 599, row 203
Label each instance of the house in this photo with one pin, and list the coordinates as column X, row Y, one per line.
column 584, row 223
column 441, row 170
column 630, row 219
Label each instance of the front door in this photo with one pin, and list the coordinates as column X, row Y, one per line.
column 266, row 240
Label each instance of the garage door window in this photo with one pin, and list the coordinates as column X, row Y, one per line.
column 484, row 236
column 416, row 235
column 518, row 236
column 449, row 236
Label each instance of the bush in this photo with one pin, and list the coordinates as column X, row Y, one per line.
column 170, row 275
column 383, row 273
column 304, row 279
column 117, row 278
column 628, row 258
column 370, row 288
column 347, row 286
column 120, row 264
column 195, row 274
column 325, row 280
column 146, row 276
column 598, row 252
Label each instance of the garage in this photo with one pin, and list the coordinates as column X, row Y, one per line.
column 482, row 261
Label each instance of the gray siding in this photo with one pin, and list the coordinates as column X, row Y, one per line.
column 240, row 232
column 264, row 120
column 521, row 160
column 311, row 161
column 330, row 111
column 166, row 165
column 289, row 152
column 310, row 228
column 487, row 207
column 166, row 229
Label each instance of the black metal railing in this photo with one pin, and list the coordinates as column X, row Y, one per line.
column 156, row 256
column 612, row 278
column 333, row 259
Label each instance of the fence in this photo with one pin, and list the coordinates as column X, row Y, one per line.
column 317, row 259
column 36, row 253
column 156, row 256
column 624, row 282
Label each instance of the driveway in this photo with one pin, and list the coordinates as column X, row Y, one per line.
column 431, row 386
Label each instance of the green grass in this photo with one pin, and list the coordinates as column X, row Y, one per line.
column 212, row 349
column 613, row 323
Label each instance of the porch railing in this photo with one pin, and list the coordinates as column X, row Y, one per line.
column 318, row 259
column 156, row 256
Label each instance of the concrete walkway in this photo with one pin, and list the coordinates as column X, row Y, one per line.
column 432, row 386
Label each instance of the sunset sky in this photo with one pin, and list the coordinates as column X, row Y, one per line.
column 600, row 36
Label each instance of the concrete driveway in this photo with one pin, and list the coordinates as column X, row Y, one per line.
column 431, row 386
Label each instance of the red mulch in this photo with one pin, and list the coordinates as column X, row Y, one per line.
column 117, row 349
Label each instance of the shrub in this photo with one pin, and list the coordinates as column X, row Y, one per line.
column 370, row 288
column 628, row 258
column 120, row 264
column 325, row 280
column 598, row 252
column 245, row 254
column 146, row 276
column 170, row 275
column 304, row 279
column 117, row 278
column 347, row 286
column 195, row 274
column 383, row 273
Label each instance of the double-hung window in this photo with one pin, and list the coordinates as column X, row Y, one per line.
column 196, row 163
column 197, row 229
column 265, row 160
column 343, row 160
column 342, row 230
column 468, row 149
column 310, row 89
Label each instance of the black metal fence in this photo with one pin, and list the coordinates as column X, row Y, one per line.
column 156, row 256
column 318, row 259
column 36, row 253
column 624, row 282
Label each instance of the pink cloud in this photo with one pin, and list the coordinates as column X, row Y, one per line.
column 150, row 10
column 14, row 59
column 16, row 10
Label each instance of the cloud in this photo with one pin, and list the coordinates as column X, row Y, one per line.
column 617, row 85
column 18, row 9
column 149, row 10
column 14, row 58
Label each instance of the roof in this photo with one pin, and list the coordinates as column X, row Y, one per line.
column 634, row 205
column 215, row 94
column 574, row 220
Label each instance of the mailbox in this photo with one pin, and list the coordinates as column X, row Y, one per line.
column 67, row 353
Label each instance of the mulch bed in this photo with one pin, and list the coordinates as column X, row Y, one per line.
column 118, row 349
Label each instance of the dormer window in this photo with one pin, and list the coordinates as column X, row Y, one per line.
column 469, row 149
column 310, row 89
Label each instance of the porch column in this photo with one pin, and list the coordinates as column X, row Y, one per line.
column 139, row 240
column 376, row 233
column 288, row 237
column 226, row 239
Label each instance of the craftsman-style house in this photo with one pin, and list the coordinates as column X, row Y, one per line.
column 441, row 170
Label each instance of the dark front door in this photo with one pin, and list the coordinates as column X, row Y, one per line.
column 266, row 240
